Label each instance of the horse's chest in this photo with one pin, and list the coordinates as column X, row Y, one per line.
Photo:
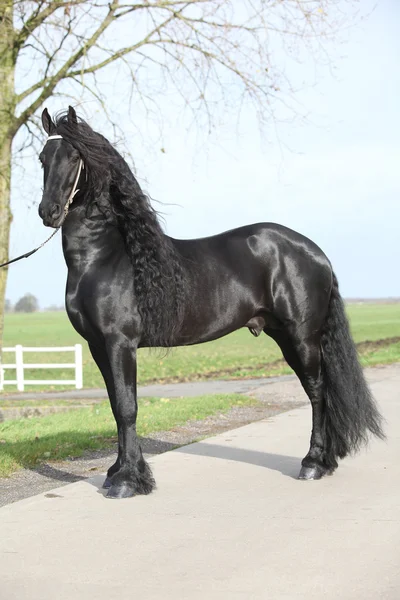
column 77, row 309
column 99, row 302
column 77, row 316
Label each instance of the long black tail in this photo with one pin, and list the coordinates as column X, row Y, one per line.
column 350, row 412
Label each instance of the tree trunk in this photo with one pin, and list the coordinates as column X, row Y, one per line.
column 5, row 222
column 7, row 118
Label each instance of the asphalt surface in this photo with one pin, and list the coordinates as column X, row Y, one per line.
column 171, row 390
column 229, row 520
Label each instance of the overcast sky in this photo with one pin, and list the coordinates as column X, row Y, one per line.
column 335, row 178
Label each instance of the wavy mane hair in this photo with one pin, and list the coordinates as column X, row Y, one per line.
column 157, row 268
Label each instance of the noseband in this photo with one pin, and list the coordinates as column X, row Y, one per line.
column 73, row 193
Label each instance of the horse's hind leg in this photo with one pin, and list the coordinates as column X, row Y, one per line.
column 318, row 461
column 304, row 356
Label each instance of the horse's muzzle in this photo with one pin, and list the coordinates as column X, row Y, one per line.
column 51, row 217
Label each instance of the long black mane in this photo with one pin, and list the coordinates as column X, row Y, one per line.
column 157, row 269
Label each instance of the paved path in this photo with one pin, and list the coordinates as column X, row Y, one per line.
column 171, row 390
column 229, row 521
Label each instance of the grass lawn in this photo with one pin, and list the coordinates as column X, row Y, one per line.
column 374, row 321
column 27, row 442
column 236, row 355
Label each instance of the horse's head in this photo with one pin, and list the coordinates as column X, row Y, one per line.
column 62, row 166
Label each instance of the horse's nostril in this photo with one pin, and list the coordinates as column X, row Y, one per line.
column 55, row 211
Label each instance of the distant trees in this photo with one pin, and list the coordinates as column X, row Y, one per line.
column 27, row 304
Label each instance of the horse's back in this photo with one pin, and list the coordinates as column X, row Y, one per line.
column 265, row 247
column 260, row 237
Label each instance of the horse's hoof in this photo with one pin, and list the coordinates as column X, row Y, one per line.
column 107, row 483
column 122, row 490
column 310, row 473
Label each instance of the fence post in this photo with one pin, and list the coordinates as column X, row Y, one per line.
column 1, row 378
column 78, row 367
column 19, row 362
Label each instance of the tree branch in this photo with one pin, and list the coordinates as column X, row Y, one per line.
column 62, row 72
column 38, row 17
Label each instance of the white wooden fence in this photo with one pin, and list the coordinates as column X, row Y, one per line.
column 19, row 366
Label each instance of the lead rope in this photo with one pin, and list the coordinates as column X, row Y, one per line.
column 66, row 208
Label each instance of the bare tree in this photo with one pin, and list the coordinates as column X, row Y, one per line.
column 214, row 52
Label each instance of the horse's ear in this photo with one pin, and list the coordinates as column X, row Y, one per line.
column 72, row 118
column 46, row 121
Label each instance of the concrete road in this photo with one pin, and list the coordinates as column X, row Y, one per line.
column 229, row 521
column 170, row 390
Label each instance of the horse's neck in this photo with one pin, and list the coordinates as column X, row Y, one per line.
column 90, row 236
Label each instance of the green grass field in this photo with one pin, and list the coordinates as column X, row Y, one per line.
column 237, row 355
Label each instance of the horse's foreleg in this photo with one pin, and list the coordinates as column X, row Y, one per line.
column 100, row 357
column 133, row 475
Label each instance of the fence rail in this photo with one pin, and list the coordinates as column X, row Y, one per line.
column 19, row 366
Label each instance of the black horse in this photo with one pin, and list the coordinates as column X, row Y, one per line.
column 130, row 286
